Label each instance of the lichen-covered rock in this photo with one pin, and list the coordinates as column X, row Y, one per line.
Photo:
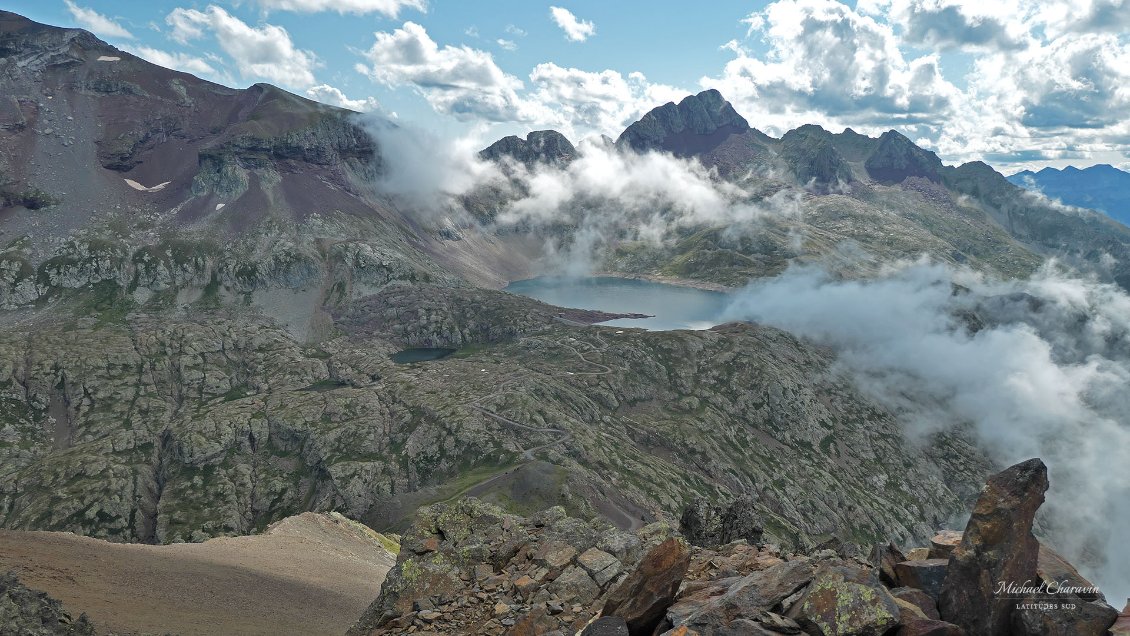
column 844, row 600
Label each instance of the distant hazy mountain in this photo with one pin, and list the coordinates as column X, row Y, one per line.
column 1103, row 188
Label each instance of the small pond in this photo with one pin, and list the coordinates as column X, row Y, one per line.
column 420, row 354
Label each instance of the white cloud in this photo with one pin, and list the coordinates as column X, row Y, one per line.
column 575, row 30
column 97, row 23
column 391, row 8
column 946, row 24
column 515, row 31
column 584, row 102
column 335, row 97
column 264, row 52
column 177, row 61
column 468, row 84
column 509, row 45
column 826, row 62
column 457, row 80
column 1044, row 376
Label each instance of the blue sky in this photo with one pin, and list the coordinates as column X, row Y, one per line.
column 1016, row 83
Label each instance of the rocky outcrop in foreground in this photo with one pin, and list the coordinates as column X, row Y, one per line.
column 30, row 613
column 469, row 568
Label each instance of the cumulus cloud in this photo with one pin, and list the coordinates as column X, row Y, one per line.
column 581, row 102
column 947, row 24
column 1037, row 367
column 1051, row 100
column 575, row 30
column 263, row 52
column 509, row 45
column 391, row 8
column 826, row 58
column 468, row 84
column 97, row 23
column 335, row 97
column 178, row 61
column 456, row 80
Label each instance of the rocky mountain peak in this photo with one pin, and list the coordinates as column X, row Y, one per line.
column 673, row 127
column 812, row 155
column 539, row 146
column 896, row 158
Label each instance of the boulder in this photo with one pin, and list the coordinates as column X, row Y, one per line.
column 909, row 611
column 643, row 597
column 603, row 567
column 928, row 627
column 919, row 598
column 1061, row 615
column 926, row 575
column 574, row 585
column 717, row 606
column 554, row 554
column 884, row 558
column 842, row 600
column 997, row 548
column 918, row 554
column 943, row 543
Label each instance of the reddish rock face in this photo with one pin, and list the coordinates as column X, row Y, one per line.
column 644, row 596
column 920, row 599
column 943, row 543
column 997, row 548
column 1121, row 626
column 926, row 575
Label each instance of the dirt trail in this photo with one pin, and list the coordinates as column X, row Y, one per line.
column 309, row 574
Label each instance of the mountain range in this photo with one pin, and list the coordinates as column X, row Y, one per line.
column 201, row 288
column 1101, row 187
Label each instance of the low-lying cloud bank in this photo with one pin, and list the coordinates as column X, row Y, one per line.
column 604, row 195
column 1038, row 368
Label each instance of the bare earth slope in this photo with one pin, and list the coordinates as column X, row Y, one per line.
column 308, row 574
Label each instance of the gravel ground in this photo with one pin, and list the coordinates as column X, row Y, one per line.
column 309, row 574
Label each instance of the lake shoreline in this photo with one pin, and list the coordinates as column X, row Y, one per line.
column 651, row 278
column 635, row 302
